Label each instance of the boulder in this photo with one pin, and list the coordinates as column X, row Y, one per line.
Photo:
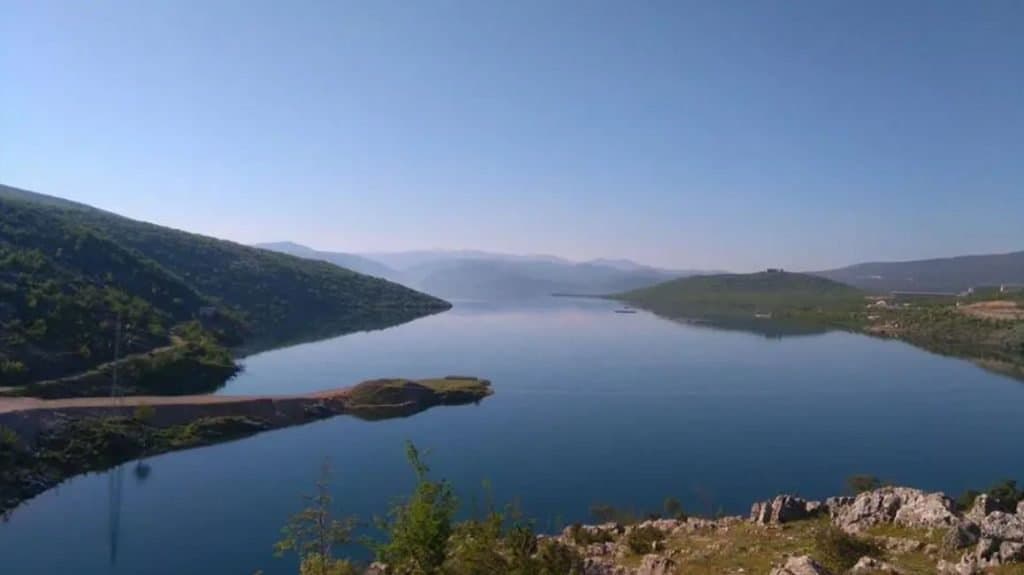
column 656, row 565
column 603, row 566
column 1002, row 526
column 993, row 553
column 783, row 509
column 946, row 568
column 836, row 504
column 870, row 565
column 1020, row 509
column 377, row 568
column 982, row 506
column 902, row 505
column 802, row 565
column 963, row 534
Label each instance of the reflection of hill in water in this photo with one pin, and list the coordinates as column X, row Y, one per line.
column 356, row 321
column 769, row 328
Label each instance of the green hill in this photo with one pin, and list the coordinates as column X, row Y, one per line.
column 732, row 295
column 67, row 271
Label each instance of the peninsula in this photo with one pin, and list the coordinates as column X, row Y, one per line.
column 43, row 442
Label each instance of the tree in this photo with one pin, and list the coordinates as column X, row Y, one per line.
column 420, row 527
column 863, row 483
column 313, row 532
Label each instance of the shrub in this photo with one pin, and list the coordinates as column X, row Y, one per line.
column 603, row 513
column 1006, row 494
column 583, row 536
column 642, row 540
column 863, row 483
column 673, row 509
column 144, row 413
column 839, row 551
column 554, row 558
column 966, row 499
column 420, row 527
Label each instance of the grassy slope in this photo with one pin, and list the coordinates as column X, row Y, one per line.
column 737, row 295
column 74, row 266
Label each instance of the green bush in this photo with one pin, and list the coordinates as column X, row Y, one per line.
column 581, row 536
column 863, row 483
column 840, row 551
column 642, row 540
column 420, row 527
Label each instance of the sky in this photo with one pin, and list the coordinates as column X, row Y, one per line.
column 738, row 135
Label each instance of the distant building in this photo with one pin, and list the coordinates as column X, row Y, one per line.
column 775, row 270
column 1011, row 288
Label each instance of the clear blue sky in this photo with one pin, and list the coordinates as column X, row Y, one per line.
column 735, row 135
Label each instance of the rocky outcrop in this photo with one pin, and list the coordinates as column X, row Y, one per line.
column 900, row 505
column 802, row 565
column 783, row 509
column 656, row 565
column 1000, row 540
column 982, row 506
column 872, row 566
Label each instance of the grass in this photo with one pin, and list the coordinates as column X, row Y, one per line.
column 425, row 392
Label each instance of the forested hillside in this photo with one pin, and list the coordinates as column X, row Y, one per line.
column 67, row 271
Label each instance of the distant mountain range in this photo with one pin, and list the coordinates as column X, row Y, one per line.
column 471, row 274
column 953, row 274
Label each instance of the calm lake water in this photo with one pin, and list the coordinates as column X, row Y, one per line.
column 591, row 407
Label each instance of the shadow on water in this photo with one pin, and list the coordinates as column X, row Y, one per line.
column 993, row 359
column 767, row 328
column 363, row 320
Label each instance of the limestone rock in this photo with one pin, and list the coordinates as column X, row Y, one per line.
column 982, row 506
column 1020, row 509
column 871, row 565
column 656, row 565
column 802, row 565
column 902, row 505
column 1003, row 527
column 783, row 509
column 603, row 566
column 946, row 568
column 963, row 534
column 835, row 505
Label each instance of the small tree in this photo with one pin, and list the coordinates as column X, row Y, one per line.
column 419, row 528
column 863, row 483
column 313, row 532
column 673, row 509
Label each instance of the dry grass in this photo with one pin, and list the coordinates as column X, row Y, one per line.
column 1003, row 310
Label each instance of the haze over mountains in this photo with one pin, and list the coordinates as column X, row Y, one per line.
column 953, row 274
column 473, row 274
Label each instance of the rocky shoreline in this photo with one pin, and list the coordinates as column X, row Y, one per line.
column 908, row 531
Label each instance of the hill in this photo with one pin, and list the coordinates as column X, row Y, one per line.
column 352, row 262
column 955, row 274
column 68, row 270
column 777, row 293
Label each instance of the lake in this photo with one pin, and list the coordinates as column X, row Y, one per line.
column 590, row 407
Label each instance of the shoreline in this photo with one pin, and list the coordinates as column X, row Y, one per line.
column 45, row 442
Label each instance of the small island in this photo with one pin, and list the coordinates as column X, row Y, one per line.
column 44, row 442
